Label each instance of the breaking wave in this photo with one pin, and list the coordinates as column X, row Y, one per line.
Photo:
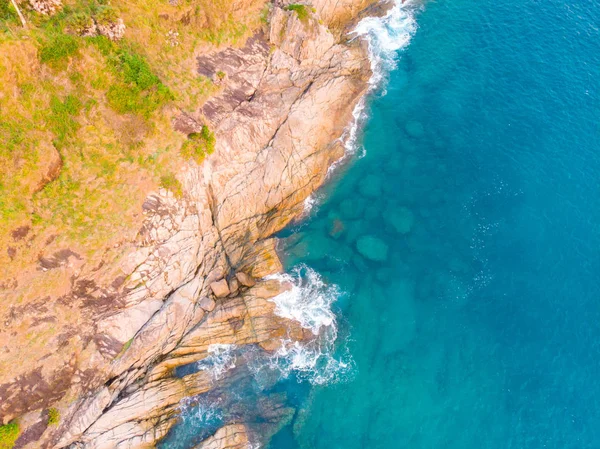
column 309, row 302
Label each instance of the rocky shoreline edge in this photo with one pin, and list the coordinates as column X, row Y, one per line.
column 194, row 275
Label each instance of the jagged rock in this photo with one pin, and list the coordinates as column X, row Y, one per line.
column 114, row 30
column 47, row 7
column 207, row 303
column 245, row 279
column 232, row 436
column 220, row 288
column 372, row 248
column 234, row 286
column 277, row 118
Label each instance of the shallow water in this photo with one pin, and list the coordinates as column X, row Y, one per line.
column 464, row 247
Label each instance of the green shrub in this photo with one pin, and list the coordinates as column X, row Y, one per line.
column 53, row 416
column 58, row 49
column 138, row 90
column 199, row 145
column 302, row 11
column 170, row 182
column 9, row 434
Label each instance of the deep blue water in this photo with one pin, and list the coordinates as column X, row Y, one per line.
column 479, row 194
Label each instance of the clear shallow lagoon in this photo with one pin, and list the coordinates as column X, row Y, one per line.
column 479, row 324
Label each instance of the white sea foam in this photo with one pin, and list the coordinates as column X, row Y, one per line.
column 221, row 359
column 197, row 412
column 309, row 302
column 385, row 36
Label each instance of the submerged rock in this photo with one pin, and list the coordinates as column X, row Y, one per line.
column 370, row 186
column 414, row 129
column 401, row 219
column 352, row 208
column 373, row 248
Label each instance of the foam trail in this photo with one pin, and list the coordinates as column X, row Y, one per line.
column 385, row 36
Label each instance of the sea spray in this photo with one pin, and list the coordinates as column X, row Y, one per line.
column 221, row 359
column 385, row 37
column 309, row 302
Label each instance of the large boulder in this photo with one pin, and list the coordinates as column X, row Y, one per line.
column 220, row 288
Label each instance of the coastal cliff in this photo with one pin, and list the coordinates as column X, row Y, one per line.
column 193, row 274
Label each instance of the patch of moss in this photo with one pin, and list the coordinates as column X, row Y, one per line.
column 199, row 145
column 171, row 183
column 9, row 434
column 53, row 416
column 302, row 11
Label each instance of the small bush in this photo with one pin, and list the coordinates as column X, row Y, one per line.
column 58, row 49
column 199, row 145
column 302, row 11
column 53, row 417
column 221, row 75
column 9, row 434
column 139, row 90
column 170, row 182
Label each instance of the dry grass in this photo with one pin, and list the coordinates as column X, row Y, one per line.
column 81, row 142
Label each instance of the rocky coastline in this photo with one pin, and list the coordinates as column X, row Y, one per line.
column 194, row 274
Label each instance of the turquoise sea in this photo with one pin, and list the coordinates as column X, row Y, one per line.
column 452, row 262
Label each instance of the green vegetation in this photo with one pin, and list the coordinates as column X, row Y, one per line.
column 199, row 145
column 137, row 89
column 86, row 123
column 9, row 434
column 302, row 11
column 7, row 11
column 57, row 49
column 221, row 75
column 62, row 118
column 53, row 416
column 171, row 183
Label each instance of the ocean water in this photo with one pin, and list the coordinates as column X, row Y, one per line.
column 451, row 265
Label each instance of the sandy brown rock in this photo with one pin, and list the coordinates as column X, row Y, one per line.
column 232, row 436
column 245, row 279
column 220, row 288
column 286, row 101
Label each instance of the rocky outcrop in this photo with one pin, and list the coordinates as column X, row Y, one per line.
column 192, row 277
column 232, row 436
